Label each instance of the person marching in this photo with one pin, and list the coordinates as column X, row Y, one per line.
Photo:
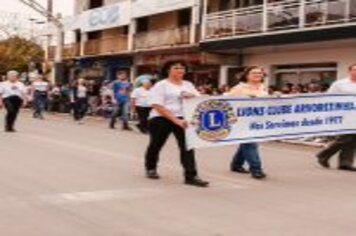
column 121, row 90
column 344, row 144
column 39, row 91
column 140, row 101
column 251, row 84
column 79, row 100
column 166, row 117
column 12, row 96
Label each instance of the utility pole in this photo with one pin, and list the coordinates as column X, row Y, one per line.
column 48, row 13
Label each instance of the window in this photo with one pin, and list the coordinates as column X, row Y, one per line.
column 184, row 17
column 95, row 35
column 142, row 24
column 78, row 36
column 224, row 5
column 95, row 4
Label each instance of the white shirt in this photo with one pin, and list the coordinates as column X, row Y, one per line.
column 82, row 91
column 41, row 86
column 141, row 96
column 8, row 89
column 168, row 95
column 343, row 86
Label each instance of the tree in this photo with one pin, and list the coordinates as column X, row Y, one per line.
column 17, row 53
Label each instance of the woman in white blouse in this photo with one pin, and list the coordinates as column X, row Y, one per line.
column 12, row 97
column 167, row 117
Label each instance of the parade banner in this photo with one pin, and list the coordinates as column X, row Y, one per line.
column 222, row 120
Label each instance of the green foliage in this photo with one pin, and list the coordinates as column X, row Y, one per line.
column 16, row 53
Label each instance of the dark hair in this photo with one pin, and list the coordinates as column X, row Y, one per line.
column 168, row 65
column 352, row 66
column 246, row 72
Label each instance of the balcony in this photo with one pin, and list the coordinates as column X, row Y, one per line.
column 280, row 16
column 112, row 45
column 162, row 38
column 69, row 51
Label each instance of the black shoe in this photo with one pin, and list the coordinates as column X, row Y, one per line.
column 324, row 162
column 259, row 175
column 240, row 170
column 197, row 182
column 127, row 128
column 10, row 130
column 152, row 174
column 347, row 168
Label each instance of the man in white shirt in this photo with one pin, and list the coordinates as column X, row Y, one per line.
column 345, row 144
column 140, row 102
column 12, row 97
column 39, row 91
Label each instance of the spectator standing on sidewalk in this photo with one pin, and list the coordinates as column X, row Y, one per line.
column 39, row 92
column 344, row 144
column 79, row 100
column 140, row 102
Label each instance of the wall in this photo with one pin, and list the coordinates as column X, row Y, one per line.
column 163, row 21
column 343, row 56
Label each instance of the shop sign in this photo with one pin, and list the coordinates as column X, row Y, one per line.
column 143, row 8
column 160, row 59
column 110, row 16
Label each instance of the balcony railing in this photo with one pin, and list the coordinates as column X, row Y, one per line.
column 110, row 45
column 69, row 51
column 162, row 38
column 280, row 15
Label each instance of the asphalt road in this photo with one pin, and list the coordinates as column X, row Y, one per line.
column 61, row 178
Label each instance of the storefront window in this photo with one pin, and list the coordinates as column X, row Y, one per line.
column 321, row 74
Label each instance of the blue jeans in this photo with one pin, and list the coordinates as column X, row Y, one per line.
column 39, row 103
column 121, row 110
column 247, row 152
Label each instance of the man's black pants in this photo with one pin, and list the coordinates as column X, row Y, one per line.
column 12, row 105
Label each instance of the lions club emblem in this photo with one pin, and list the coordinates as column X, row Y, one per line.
column 213, row 119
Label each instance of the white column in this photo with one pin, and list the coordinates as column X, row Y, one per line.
column 265, row 16
column 194, row 22
column 302, row 14
column 347, row 10
column 223, row 74
column 204, row 16
column 59, row 48
column 131, row 37
column 83, row 40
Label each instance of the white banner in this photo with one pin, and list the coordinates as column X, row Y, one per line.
column 106, row 17
column 217, row 121
column 151, row 7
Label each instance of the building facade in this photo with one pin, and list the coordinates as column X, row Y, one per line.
column 296, row 41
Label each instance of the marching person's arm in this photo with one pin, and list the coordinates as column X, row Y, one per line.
column 235, row 91
column 157, row 100
column 170, row 116
column 193, row 92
